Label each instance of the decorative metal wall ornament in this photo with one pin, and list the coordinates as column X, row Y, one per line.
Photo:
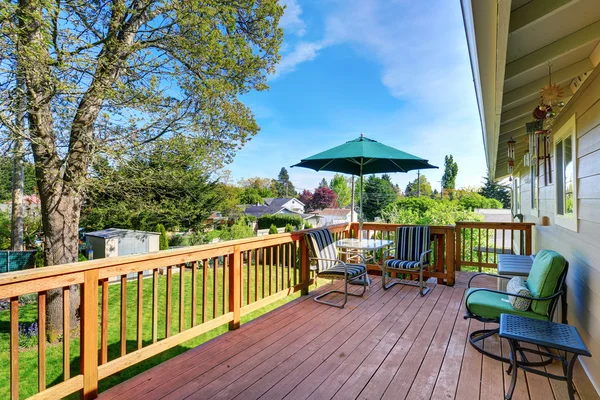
column 551, row 92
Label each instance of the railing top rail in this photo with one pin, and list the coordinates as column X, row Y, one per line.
column 506, row 225
column 156, row 259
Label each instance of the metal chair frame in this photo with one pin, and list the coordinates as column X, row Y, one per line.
column 345, row 278
column 482, row 334
column 423, row 290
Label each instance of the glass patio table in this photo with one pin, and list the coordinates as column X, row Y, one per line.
column 369, row 248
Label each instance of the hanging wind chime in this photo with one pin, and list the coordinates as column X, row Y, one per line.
column 540, row 131
column 511, row 156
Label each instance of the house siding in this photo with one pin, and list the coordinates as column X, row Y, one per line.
column 582, row 248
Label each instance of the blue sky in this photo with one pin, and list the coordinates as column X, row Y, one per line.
column 397, row 70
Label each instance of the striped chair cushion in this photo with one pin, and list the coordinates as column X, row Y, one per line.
column 321, row 245
column 337, row 272
column 411, row 242
column 400, row 264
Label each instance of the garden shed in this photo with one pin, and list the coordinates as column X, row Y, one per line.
column 114, row 242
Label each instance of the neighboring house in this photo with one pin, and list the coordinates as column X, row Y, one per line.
column 215, row 219
column 332, row 216
column 276, row 206
column 511, row 45
column 32, row 204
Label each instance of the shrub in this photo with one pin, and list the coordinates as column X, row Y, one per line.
column 493, row 203
column 280, row 221
column 308, row 225
column 273, row 230
column 164, row 240
column 289, row 228
column 81, row 257
column 179, row 241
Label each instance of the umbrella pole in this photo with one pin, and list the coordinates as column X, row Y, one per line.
column 361, row 203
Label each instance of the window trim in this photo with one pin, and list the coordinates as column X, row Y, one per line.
column 568, row 129
column 533, row 208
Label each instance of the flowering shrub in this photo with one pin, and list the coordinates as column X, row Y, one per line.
column 28, row 334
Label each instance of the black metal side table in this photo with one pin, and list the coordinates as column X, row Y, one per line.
column 548, row 335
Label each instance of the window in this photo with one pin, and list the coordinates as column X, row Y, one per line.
column 565, row 142
column 533, row 180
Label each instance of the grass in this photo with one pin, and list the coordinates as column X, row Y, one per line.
column 28, row 362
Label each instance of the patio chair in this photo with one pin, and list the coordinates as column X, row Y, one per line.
column 546, row 282
column 325, row 255
column 411, row 255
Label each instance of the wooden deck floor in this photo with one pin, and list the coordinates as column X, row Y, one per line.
column 386, row 345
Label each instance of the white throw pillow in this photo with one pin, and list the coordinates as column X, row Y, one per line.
column 517, row 286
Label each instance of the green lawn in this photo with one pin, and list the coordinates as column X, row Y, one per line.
column 28, row 313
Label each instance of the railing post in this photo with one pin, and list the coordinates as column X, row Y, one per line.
column 528, row 233
column 89, row 334
column 304, row 266
column 458, row 247
column 235, row 276
column 450, row 256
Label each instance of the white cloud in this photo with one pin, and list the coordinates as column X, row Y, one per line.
column 291, row 21
column 304, row 51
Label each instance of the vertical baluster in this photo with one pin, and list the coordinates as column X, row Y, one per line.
column 66, row 334
column 41, row 341
column 169, row 301
column 155, row 305
column 512, row 242
column 104, row 324
column 194, row 293
column 471, row 246
column 503, row 240
column 264, row 270
column 255, row 274
column 14, row 347
column 215, row 280
column 295, row 263
column 289, row 264
column 123, row 315
column 487, row 249
column 464, row 239
column 248, row 255
column 181, row 296
column 225, row 286
column 271, row 271
column 495, row 247
column 277, row 259
column 140, row 306
column 479, row 247
column 204, row 288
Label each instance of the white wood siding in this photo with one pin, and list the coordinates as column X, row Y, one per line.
column 582, row 248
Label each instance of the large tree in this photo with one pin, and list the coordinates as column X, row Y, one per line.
column 378, row 193
column 285, row 187
column 449, row 177
column 424, row 189
column 166, row 185
column 339, row 185
column 495, row 190
column 102, row 78
column 323, row 197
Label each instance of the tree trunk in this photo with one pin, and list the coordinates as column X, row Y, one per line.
column 61, row 241
column 18, row 175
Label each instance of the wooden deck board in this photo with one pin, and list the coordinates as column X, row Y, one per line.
column 386, row 344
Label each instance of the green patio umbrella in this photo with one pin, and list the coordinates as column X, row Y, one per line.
column 363, row 156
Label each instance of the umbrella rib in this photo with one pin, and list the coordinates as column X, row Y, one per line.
column 392, row 161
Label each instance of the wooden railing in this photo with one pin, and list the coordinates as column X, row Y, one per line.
column 442, row 238
column 173, row 296
column 135, row 307
column 479, row 243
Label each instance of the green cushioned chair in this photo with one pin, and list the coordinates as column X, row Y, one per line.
column 546, row 283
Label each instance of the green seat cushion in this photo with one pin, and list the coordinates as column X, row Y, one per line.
column 490, row 305
column 543, row 278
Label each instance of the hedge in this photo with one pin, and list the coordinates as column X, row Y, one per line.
column 280, row 221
